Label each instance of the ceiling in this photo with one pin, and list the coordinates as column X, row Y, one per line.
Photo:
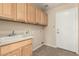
column 46, row 6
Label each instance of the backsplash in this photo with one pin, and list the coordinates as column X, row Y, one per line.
column 7, row 27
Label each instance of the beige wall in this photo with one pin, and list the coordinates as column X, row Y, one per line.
column 20, row 28
column 50, row 31
column 50, row 37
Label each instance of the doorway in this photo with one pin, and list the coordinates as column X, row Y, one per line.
column 66, row 29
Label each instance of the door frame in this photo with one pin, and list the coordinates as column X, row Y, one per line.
column 76, row 41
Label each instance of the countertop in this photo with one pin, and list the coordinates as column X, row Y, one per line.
column 8, row 40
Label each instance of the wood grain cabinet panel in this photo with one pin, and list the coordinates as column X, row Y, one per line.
column 6, row 10
column 13, row 11
column 26, row 13
column 27, row 50
column 16, row 52
column 38, row 16
column 9, row 11
column 0, row 9
column 42, row 18
column 21, row 12
column 45, row 19
column 31, row 14
column 17, row 48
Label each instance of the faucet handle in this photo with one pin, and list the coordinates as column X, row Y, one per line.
column 27, row 32
column 13, row 32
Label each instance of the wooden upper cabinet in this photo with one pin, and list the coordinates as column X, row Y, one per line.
column 0, row 9
column 42, row 18
column 13, row 11
column 46, row 19
column 21, row 12
column 31, row 14
column 9, row 10
column 6, row 10
column 26, row 13
column 38, row 16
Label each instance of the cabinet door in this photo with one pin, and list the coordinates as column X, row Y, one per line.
column 27, row 50
column 45, row 19
column 42, row 18
column 13, row 11
column 16, row 52
column 0, row 9
column 26, row 13
column 31, row 14
column 9, row 10
column 38, row 16
column 21, row 12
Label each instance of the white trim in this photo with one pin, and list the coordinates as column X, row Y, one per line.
column 51, row 45
column 37, row 47
column 76, row 32
column 76, row 23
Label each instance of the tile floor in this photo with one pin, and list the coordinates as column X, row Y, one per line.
column 50, row 51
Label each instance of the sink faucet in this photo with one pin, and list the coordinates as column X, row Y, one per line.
column 12, row 33
column 27, row 32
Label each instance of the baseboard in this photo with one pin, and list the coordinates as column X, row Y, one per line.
column 37, row 47
column 51, row 45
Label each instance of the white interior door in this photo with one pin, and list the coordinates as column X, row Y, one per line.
column 66, row 29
